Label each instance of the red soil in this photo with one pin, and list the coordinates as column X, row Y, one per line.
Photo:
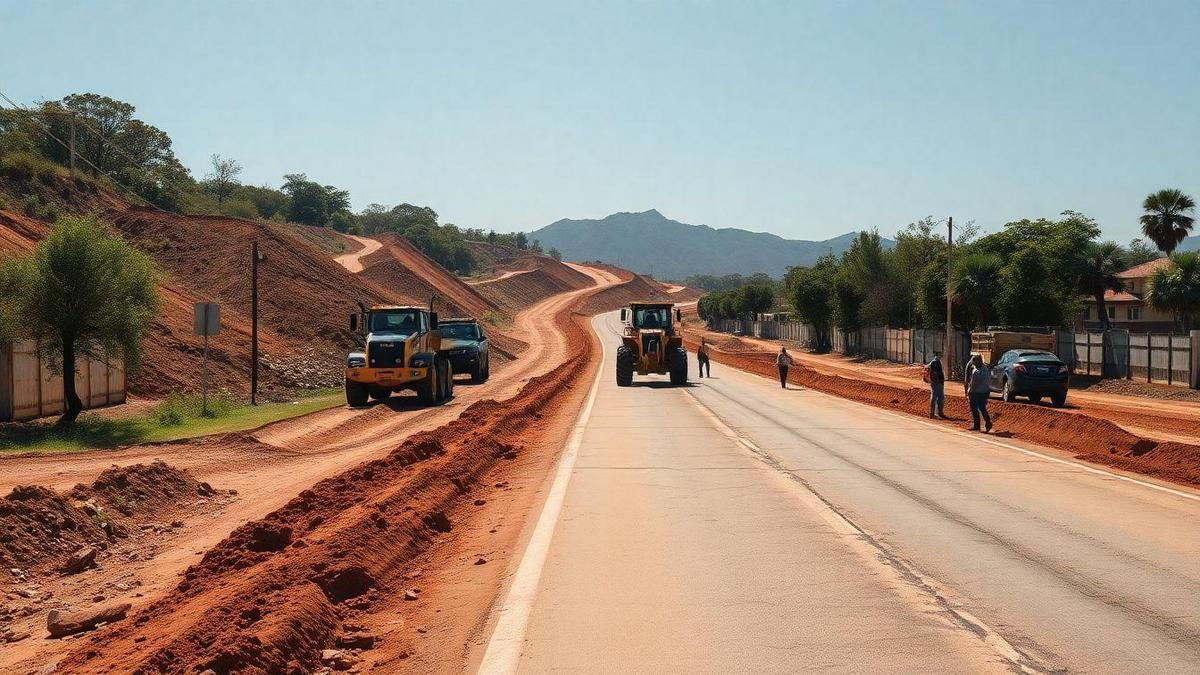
column 400, row 268
column 279, row 590
column 635, row 288
column 1088, row 438
column 514, row 293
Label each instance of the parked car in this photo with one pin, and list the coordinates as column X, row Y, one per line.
column 468, row 347
column 1031, row 372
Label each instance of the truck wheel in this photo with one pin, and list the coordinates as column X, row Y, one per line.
column 449, row 388
column 477, row 373
column 356, row 394
column 624, row 366
column 678, row 366
column 1006, row 394
column 1059, row 400
column 487, row 368
column 427, row 389
column 379, row 393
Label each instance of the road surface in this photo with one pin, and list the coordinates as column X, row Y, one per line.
column 730, row 527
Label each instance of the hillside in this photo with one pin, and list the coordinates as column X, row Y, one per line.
column 520, row 278
column 650, row 243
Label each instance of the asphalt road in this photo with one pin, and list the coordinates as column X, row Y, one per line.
column 731, row 526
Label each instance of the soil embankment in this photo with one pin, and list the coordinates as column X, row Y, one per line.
column 308, row 576
column 634, row 288
column 1089, row 438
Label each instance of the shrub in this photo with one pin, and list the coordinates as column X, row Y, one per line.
column 29, row 166
column 496, row 318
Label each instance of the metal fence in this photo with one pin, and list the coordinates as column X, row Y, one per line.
column 29, row 390
column 1164, row 358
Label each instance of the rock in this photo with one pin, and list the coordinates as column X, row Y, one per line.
column 177, row 523
column 209, row 671
column 80, row 560
column 357, row 640
column 27, row 593
column 411, row 595
column 480, row 561
column 204, row 489
column 98, row 598
column 16, row 637
column 61, row 623
column 338, row 659
column 51, row 667
column 480, row 502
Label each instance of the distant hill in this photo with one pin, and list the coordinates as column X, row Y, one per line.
column 649, row 242
column 1190, row 244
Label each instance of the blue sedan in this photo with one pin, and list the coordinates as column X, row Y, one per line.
column 1032, row 373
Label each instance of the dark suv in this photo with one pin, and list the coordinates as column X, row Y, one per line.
column 1033, row 373
column 467, row 344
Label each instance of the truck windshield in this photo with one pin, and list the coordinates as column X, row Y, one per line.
column 397, row 321
column 460, row 331
column 652, row 318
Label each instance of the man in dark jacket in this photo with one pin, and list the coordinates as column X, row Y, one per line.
column 937, row 387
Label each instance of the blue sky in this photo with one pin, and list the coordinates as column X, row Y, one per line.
column 804, row 119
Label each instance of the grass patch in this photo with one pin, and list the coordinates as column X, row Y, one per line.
column 497, row 319
column 175, row 418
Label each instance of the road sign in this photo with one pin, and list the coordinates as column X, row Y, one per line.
column 206, row 318
column 206, row 321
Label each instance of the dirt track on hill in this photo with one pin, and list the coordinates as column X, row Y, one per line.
column 353, row 261
column 270, row 466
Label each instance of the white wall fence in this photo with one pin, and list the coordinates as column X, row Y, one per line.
column 1148, row 357
column 29, row 390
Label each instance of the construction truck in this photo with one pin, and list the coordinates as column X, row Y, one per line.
column 650, row 343
column 401, row 349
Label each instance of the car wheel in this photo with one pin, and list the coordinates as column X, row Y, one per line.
column 1035, row 398
column 1006, row 394
column 1059, row 400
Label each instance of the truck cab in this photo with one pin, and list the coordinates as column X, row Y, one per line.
column 467, row 345
column 401, row 349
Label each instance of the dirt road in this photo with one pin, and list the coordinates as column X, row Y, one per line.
column 507, row 275
column 270, row 466
column 732, row 526
column 353, row 261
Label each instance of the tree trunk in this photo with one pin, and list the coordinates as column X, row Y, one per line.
column 1103, row 311
column 72, row 405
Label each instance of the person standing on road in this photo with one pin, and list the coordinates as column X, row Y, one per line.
column 784, row 362
column 978, row 385
column 702, row 358
column 936, row 377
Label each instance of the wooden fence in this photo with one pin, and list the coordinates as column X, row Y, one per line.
column 29, row 390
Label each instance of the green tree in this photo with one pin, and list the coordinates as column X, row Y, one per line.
column 554, row 253
column 1138, row 252
column 810, row 290
column 847, row 303
column 311, row 203
column 975, row 281
column 754, row 299
column 1028, row 294
column 223, row 179
column 1100, row 264
column 268, row 201
column 1176, row 288
column 84, row 292
column 1168, row 219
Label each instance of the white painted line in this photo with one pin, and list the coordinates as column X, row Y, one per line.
column 503, row 653
column 984, row 438
column 869, row 548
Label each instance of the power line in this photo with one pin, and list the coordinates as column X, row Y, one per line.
column 33, row 116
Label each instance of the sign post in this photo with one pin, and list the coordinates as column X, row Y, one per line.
column 206, row 320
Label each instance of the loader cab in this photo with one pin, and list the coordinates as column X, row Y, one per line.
column 650, row 316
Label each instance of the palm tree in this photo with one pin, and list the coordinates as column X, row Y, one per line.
column 1167, row 220
column 1099, row 264
column 975, row 281
column 1176, row 287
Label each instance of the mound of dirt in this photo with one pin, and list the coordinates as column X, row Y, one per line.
column 400, row 268
column 277, row 591
column 40, row 529
column 514, row 293
column 1090, row 438
column 636, row 289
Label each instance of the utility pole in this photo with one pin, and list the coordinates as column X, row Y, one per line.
column 254, row 258
column 72, row 148
column 949, row 346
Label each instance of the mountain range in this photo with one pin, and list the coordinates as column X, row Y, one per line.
column 650, row 243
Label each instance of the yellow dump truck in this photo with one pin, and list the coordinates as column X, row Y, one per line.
column 992, row 343
column 401, row 349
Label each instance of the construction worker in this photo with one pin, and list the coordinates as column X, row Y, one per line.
column 978, row 388
column 784, row 362
column 702, row 358
column 935, row 375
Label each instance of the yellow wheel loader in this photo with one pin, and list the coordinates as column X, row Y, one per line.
column 401, row 349
column 650, row 343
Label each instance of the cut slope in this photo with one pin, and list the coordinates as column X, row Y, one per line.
column 400, row 269
column 636, row 289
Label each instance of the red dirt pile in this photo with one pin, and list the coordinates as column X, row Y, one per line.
column 514, row 293
column 1090, row 438
column 399, row 268
column 40, row 529
column 279, row 590
column 635, row 289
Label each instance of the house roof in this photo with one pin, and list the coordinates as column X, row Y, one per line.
column 1120, row 296
column 1144, row 270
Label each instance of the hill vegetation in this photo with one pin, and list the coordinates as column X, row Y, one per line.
column 651, row 243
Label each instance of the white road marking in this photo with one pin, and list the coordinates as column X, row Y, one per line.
column 503, row 653
column 870, row 549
